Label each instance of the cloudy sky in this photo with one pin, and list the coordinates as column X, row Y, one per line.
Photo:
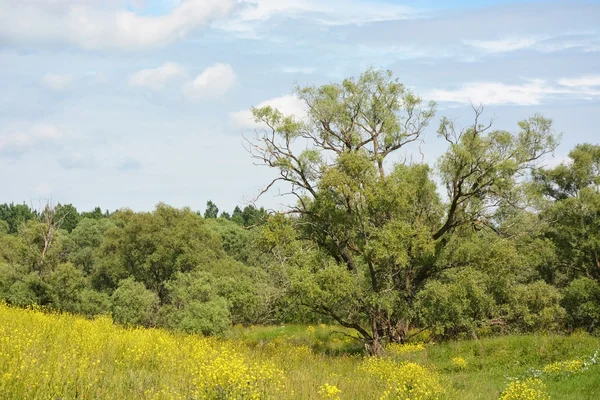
column 122, row 103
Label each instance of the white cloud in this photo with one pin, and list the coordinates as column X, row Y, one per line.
column 502, row 45
column 334, row 12
column 214, row 81
column 156, row 78
column 583, row 81
column 288, row 105
column 542, row 43
column 102, row 25
column 56, row 82
column 18, row 139
column 298, row 70
column 532, row 92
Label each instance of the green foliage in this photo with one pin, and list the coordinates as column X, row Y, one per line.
column 236, row 241
column 152, row 247
column 536, row 307
column 387, row 228
column 212, row 211
column 3, row 227
column 574, row 216
column 86, row 239
column 36, row 253
column 463, row 303
column 249, row 216
column 66, row 283
column 582, row 302
column 94, row 303
column 133, row 304
column 195, row 306
column 95, row 214
column 568, row 180
column 68, row 216
column 15, row 214
column 24, row 288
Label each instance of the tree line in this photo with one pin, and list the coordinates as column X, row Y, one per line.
column 487, row 240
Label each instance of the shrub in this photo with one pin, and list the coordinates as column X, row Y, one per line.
column 536, row 307
column 194, row 305
column 94, row 303
column 66, row 283
column 582, row 302
column 461, row 305
column 133, row 304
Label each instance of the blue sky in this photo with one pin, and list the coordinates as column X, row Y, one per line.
column 122, row 103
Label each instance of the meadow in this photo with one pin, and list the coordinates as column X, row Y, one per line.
column 60, row 356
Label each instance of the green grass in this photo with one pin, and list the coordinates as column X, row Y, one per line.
column 490, row 361
column 51, row 356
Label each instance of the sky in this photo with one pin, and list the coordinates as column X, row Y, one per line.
column 117, row 103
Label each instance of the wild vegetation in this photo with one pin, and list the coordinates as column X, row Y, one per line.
column 487, row 242
column 51, row 355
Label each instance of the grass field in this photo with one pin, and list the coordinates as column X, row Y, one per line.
column 59, row 356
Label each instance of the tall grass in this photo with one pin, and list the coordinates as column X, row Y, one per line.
column 59, row 356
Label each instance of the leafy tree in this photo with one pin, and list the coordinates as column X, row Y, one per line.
column 68, row 216
column 66, row 284
column 582, row 302
column 384, row 228
column 236, row 241
column 250, row 216
column 23, row 288
column 15, row 214
column 195, row 306
column 85, row 243
column 212, row 211
column 237, row 216
column 568, row 180
column 95, row 214
column 152, row 247
column 12, row 248
column 3, row 227
column 462, row 304
column 94, row 303
column 133, row 304
column 573, row 218
column 536, row 307
column 41, row 244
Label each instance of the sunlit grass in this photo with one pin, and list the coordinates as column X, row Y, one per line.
column 51, row 356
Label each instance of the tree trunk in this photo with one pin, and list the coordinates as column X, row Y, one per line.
column 374, row 344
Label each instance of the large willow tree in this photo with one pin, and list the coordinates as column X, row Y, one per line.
column 382, row 225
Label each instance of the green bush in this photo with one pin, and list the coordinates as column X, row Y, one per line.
column 94, row 303
column 195, row 306
column 461, row 305
column 582, row 302
column 536, row 307
column 66, row 284
column 133, row 304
